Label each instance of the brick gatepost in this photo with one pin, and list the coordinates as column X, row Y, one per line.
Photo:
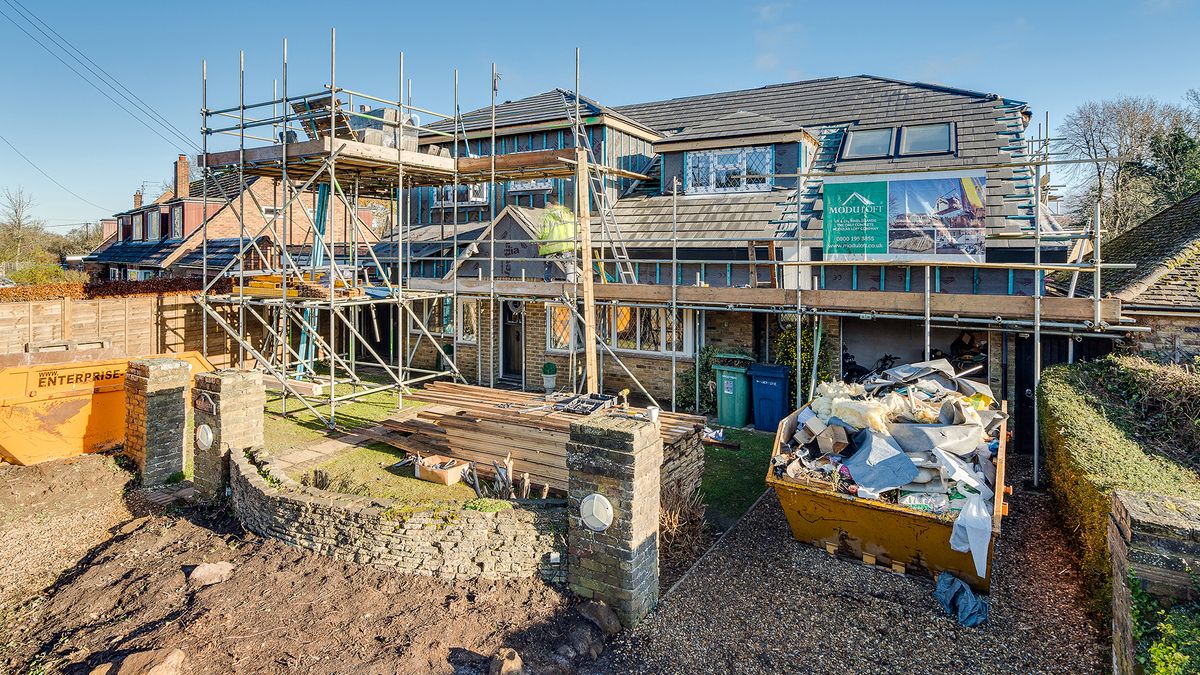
column 619, row 458
column 155, row 417
column 229, row 403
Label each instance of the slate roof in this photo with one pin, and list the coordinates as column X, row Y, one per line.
column 422, row 238
column 1166, row 250
column 144, row 253
column 544, row 107
column 220, row 253
column 865, row 99
column 748, row 215
column 733, row 125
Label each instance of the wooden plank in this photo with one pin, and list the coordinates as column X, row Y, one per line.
column 517, row 160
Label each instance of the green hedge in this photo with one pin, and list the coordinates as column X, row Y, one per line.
column 1091, row 420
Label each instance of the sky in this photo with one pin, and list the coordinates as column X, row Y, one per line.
column 91, row 156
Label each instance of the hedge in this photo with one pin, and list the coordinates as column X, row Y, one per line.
column 1090, row 422
column 109, row 289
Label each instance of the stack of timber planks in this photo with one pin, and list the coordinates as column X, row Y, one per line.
column 482, row 425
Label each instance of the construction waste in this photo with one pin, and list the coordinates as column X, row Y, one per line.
column 918, row 435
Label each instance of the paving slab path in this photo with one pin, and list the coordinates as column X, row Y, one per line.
column 761, row 602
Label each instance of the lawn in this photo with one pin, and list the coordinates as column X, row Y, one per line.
column 302, row 426
column 368, row 470
column 733, row 479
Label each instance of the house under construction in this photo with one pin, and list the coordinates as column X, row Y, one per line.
column 890, row 218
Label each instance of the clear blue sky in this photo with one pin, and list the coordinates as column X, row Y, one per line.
column 1058, row 56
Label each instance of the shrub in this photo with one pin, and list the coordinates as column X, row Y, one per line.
column 1167, row 640
column 785, row 354
column 1089, row 433
column 37, row 275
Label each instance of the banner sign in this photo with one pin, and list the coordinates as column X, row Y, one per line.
column 937, row 216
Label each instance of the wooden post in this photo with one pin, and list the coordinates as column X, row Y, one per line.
column 583, row 219
column 65, row 318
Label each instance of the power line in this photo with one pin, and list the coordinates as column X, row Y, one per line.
column 52, row 180
column 89, row 81
column 103, row 74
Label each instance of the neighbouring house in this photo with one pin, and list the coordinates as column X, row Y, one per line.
column 166, row 237
column 1163, row 290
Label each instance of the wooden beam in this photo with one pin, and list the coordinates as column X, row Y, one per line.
column 583, row 216
column 514, row 161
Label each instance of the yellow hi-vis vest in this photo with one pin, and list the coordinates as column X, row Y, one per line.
column 558, row 228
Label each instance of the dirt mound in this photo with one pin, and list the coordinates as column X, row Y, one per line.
column 50, row 515
column 282, row 610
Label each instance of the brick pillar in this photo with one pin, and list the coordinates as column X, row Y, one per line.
column 155, row 415
column 229, row 403
column 619, row 458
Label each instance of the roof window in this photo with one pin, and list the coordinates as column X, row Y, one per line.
column 926, row 139
column 868, row 143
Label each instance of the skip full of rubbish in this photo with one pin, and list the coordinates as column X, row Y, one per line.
column 919, row 436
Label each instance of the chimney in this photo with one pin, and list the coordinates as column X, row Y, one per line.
column 181, row 177
column 137, row 199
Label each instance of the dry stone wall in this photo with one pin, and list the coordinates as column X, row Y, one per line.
column 451, row 542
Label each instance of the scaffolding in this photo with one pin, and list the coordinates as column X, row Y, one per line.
column 310, row 309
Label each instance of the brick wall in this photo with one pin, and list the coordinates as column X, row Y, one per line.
column 229, row 404
column 449, row 542
column 683, row 464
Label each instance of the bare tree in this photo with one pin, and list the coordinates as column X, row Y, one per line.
column 1116, row 135
column 21, row 234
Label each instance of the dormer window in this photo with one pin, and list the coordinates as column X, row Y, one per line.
column 868, row 144
column 746, row 169
column 177, row 222
column 926, row 139
column 153, row 232
column 138, row 233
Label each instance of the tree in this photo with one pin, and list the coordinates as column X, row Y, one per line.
column 1173, row 167
column 1116, row 135
column 21, row 234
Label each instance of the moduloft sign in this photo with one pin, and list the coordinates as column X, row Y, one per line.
column 939, row 216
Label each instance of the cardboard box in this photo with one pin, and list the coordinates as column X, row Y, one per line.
column 424, row 469
column 833, row 440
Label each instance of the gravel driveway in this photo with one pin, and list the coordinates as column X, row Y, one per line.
column 761, row 602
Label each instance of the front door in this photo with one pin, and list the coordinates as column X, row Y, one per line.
column 512, row 346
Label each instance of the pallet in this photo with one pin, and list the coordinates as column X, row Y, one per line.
column 868, row 560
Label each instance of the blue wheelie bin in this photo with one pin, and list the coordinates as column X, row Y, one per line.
column 769, row 387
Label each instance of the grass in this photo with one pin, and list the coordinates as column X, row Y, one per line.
column 368, row 470
column 733, row 479
column 301, row 426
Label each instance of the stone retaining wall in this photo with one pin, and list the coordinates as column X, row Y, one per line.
column 452, row 543
column 1158, row 539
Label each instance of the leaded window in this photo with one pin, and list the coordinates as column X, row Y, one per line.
column 729, row 170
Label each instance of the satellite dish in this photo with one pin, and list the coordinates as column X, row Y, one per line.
column 204, row 437
column 596, row 512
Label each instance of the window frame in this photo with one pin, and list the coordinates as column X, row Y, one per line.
column 177, row 221
column 714, row 166
column 477, row 195
column 460, row 311
column 530, row 186
column 153, row 225
column 951, row 140
column 606, row 329
column 139, row 231
column 444, row 331
column 846, row 145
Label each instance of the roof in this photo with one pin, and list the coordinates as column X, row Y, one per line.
column 220, row 253
column 740, row 123
column 221, row 186
column 1166, row 252
column 544, row 107
column 646, row 222
column 129, row 252
column 865, row 99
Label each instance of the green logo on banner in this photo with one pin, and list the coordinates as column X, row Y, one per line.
column 855, row 220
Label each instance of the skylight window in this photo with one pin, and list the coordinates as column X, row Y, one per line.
column 867, row 143
column 926, row 139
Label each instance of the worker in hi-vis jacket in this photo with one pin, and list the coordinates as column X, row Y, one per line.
column 557, row 237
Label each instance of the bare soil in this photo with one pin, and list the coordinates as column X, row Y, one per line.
column 283, row 610
column 51, row 514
